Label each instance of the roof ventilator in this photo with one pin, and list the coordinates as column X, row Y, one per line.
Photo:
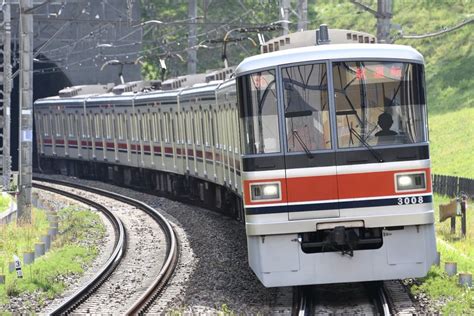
column 322, row 35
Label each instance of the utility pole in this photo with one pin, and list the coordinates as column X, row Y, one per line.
column 192, row 40
column 384, row 15
column 302, row 15
column 26, row 111
column 285, row 7
column 6, row 93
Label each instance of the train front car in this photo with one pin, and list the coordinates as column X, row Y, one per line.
column 336, row 169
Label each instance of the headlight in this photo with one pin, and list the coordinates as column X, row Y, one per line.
column 265, row 191
column 410, row 181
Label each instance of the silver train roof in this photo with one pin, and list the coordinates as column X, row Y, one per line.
column 325, row 52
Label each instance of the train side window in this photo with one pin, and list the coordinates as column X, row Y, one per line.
column 64, row 125
column 171, row 129
column 57, row 125
column 196, row 127
column 114, row 125
column 160, row 125
column 211, row 128
column 97, row 124
column 215, row 132
column 176, row 128
column 83, row 127
column 235, row 121
column 108, row 127
column 145, row 128
column 126, row 127
column 119, row 127
column 165, row 127
column 46, row 125
column 77, row 125
column 70, row 125
column 104, row 124
column 153, row 127
column 138, row 127
column 259, row 113
column 206, row 128
column 133, row 127
column 306, row 106
column 190, row 128
column 91, row 125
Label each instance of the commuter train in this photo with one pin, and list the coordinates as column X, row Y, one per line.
column 322, row 150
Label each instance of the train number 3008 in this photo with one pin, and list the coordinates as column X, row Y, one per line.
column 410, row 200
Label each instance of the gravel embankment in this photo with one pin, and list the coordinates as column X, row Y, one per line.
column 213, row 273
column 145, row 241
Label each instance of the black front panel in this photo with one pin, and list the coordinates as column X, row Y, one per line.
column 317, row 160
column 352, row 157
column 263, row 163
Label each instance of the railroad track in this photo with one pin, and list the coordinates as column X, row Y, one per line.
column 86, row 292
column 349, row 299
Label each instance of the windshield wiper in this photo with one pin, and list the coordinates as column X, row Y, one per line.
column 298, row 138
column 374, row 153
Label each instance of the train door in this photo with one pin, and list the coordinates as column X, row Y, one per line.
column 311, row 178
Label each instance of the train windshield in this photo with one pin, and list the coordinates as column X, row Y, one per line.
column 379, row 103
column 306, row 107
column 259, row 113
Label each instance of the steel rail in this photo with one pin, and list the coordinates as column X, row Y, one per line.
column 172, row 254
column 385, row 310
column 106, row 270
column 303, row 301
column 379, row 297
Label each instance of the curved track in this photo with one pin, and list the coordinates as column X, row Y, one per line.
column 101, row 276
column 160, row 280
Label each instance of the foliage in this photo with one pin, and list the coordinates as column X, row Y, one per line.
column 218, row 17
column 71, row 251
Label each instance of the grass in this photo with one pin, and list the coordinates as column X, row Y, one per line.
column 4, row 202
column 17, row 239
column 70, row 253
column 451, row 143
column 444, row 290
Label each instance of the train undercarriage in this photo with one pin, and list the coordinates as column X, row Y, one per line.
column 174, row 186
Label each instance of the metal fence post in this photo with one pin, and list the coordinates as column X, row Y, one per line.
column 463, row 215
column 453, row 225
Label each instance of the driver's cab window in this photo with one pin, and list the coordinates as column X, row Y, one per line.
column 379, row 103
column 306, row 107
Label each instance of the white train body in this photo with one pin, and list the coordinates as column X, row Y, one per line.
column 329, row 192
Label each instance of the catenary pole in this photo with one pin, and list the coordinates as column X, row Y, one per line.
column 192, row 39
column 7, row 88
column 302, row 15
column 26, row 111
column 285, row 7
column 384, row 16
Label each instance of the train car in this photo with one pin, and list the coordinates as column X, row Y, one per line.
column 322, row 150
column 335, row 164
